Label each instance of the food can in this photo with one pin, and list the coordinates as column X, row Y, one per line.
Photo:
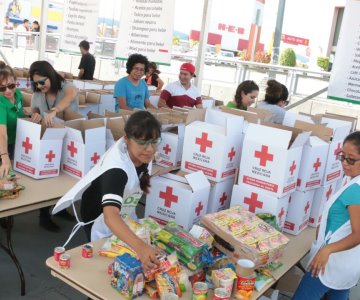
column 200, row 290
column 57, row 252
column 221, row 294
column 64, row 261
column 87, row 251
column 227, row 284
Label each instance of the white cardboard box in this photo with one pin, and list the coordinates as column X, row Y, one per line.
column 220, row 195
column 23, row 83
column 271, row 159
column 213, row 146
column 180, row 198
column 321, row 196
column 114, row 130
column 83, row 146
column 38, row 149
column 297, row 218
column 260, row 202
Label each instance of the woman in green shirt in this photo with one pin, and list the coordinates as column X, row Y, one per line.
column 11, row 108
column 246, row 94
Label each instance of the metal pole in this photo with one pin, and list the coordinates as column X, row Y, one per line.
column 278, row 31
column 306, row 99
column 43, row 28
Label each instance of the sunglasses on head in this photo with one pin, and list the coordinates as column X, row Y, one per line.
column 40, row 82
column 9, row 86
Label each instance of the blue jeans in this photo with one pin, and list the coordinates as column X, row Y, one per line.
column 311, row 288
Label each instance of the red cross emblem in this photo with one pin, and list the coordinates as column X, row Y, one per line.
column 72, row 149
column 27, row 84
column 17, row 83
column 264, row 155
column 199, row 208
column 50, row 156
column 307, row 207
column 281, row 213
column 317, row 164
column 337, row 150
column 95, row 158
column 328, row 193
column 223, row 198
column 167, row 149
column 203, row 142
column 292, row 168
column 168, row 196
column 253, row 202
column 27, row 145
column 231, row 154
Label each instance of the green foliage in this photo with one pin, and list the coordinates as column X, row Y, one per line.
column 323, row 62
column 288, row 58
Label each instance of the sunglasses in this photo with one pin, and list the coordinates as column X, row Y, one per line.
column 350, row 161
column 146, row 143
column 40, row 82
column 9, row 86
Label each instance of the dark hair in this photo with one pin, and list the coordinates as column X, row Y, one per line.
column 43, row 68
column 354, row 138
column 273, row 92
column 6, row 72
column 25, row 20
column 143, row 125
column 284, row 93
column 246, row 87
column 38, row 28
column 136, row 59
column 85, row 44
column 153, row 65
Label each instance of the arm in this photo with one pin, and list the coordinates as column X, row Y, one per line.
column 160, row 84
column 81, row 67
column 164, row 97
column 148, row 104
column 81, row 73
column 198, row 102
column 199, row 106
column 5, row 160
column 122, row 103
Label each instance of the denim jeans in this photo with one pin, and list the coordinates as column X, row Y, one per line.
column 311, row 288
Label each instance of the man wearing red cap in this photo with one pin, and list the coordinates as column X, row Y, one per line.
column 181, row 93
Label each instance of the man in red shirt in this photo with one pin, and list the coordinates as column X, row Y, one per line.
column 182, row 93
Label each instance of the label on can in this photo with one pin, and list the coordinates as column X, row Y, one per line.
column 221, row 294
column 245, row 287
column 64, row 261
column 87, row 251
column 57, row 252
column 200, row 290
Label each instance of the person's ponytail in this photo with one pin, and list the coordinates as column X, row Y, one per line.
column 145, row 182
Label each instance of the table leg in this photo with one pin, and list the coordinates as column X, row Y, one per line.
column 9, row 250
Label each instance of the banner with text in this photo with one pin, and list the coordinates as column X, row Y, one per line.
column 146, row 27
column 2, row 16
column 345, row 75
column 80, row 23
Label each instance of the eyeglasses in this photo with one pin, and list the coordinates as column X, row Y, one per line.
column 146, row 143
column 9, row 86
column 350, row 161
column 40, row 82
column 138, row 69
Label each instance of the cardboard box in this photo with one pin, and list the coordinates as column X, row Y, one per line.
column 92, row 102
column 321, row 196
column 220, row 195
column 271, row 158
column 344, row 180
column 178, row 197
column 213, row 146
column 297, row 217
column 83, row 146
column 114, row 130
column 38, row 149
column 290, row 118
column 260, row 202
column 23, row 83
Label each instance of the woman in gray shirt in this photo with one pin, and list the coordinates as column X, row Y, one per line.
column 52, row 94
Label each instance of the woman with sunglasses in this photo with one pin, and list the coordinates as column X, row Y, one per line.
column 115, row 185
column 334, row 257
column 246, row 94
column 52, row 94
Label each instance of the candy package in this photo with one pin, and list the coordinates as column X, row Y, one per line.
column 202, row 234
column 168, row 282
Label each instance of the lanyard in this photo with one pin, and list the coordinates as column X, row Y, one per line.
column 47, row 104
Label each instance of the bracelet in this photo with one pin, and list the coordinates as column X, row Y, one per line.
column 4, row 154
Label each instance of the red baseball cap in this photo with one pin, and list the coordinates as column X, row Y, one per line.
column 188, row 67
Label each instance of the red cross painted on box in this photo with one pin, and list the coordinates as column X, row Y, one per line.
column 199, row 208
column 231, row 154
column 328, row 193
column 253, row 202
column 50, row 156
column 337, row 150
column 17, row 83
column 27, row 145
column 95, row 158
column 167, row 149
column 169, row 197
column 281, row 213
column 292, row 168
column 307, row 206
column 72, row 149
column 223, row 198
column 317, row 164
column 203, row 142
column 264, row 155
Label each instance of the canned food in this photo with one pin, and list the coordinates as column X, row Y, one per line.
column 64, row 261
column 87, row 251
column 221, row 294
column 57, row 252
column 200, row 290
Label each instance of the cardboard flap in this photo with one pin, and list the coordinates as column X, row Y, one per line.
column 263, row 114
column 82, row 98
column 158, row 171
column 116, row 126
column 342, row 127
column 91, row 115
column 195, row 115
column 233, row 124
column 26, row 98
column 69, row 115
column 290, row 118
column 122, row 112
column 54, row 133
column 251, row 117
column 268, row 135
column 353, row 120
column 92, row 98
column 320, row 131
column 26, row 125
column 197, row 181
column 300, row 140
column 74, row 130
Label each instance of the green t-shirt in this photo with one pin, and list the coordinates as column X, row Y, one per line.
column 9, row 113
column 338, row 213
column 233, row 105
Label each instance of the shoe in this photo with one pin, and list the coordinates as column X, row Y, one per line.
column 64, row 214
column 49, row 225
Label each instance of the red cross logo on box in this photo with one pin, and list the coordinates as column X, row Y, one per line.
column 264, row 155
column 223, row 198
column 95, row 158
column 231, row 154
column 167, row 149
column 307, row 206
column 328, row 193
column 203, row 142
column 253, row 202
column 292, row 168
column 50, row 156
column 17, row 83
column 27, row 84
column 72, row 149
column 317, row 164
column 168, row 196
column 337, row 150
column 199, row 208
column 281, row 213
column 27, row 145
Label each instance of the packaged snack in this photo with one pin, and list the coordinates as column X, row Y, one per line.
column 202, row 234
column 151, row 291
column 167, row 282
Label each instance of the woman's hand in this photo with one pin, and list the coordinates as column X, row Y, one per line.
column 319, row 261
column 5, row 165
column 147, row 256
column 49, row 118
column 36, row 117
